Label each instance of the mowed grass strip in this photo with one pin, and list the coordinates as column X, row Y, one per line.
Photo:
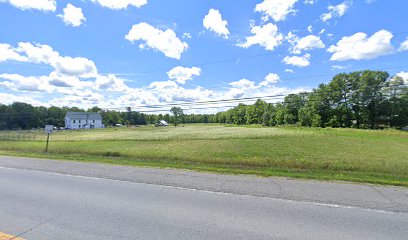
column 343, row 154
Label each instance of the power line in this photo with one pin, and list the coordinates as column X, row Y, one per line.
column 210, row 102
column 226, row 100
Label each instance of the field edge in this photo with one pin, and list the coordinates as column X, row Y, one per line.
column 344, row 176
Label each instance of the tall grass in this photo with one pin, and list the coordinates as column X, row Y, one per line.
column 340, row 152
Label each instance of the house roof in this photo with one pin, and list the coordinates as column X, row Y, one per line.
column 83, row 116
column 163, row 122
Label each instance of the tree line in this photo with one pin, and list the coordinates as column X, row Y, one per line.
column 23, row 116
column 363, row 99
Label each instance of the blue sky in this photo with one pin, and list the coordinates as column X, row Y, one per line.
column 133, row 52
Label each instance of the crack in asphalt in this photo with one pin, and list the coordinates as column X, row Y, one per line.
column 29, row 230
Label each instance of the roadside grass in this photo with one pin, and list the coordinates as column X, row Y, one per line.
column 329, row 154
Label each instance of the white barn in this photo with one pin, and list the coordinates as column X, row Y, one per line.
column 81, row 120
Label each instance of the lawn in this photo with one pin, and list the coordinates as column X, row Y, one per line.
column 332, row 154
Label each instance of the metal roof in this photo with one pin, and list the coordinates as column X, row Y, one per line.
column 83, row 116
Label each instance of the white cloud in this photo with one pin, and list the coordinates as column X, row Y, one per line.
column 404, row 76
column 310, row 2
column 336, row 11
column 359, row 46
column 266, row 36
column 213, row 21
column 310, row 28
column 170, row 91
column 83, row 99
column 163, row 85
column 111, row 83
column 306, row 43
column 120, row 4
column 183, row 74
column 187, row 35
column 18, row 82
column 7, row 53
column 339, row 67
column 270, row 79
column 276, row 9
column 243, row 84
column 77, row 66
column 298, row 61
column 7, row 99
column 164, row 41
column 57, row 80
column 37, row 53
column 404, row 46
column 41, row 5
column 72, row 16
column 289, row 70
column 44, row 54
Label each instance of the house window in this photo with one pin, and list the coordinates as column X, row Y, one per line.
column 79, row 121
column 74, row 121
column 93, row 121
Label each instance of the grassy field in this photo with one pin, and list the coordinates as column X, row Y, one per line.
column 331, row 154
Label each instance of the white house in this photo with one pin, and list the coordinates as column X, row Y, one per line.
column 80, row 120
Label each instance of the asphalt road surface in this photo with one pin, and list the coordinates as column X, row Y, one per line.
column 48, row 205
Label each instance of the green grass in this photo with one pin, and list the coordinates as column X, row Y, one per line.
column 331, row 154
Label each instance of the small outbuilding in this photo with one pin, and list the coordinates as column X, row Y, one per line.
column 83, row 120
column 162, row 123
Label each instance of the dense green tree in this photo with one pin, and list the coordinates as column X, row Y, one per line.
column 363, row 99
column 177, row 115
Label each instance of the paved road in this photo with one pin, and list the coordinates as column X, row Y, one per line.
column 48, row 205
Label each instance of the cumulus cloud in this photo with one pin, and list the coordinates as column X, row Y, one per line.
column 164, row 41
column 170, row 91
column 266, row 36
column 336, row 11
column 270, row 79
column 7, row 99
column 36, row 53
column 41, row 5
column 276, row 9
column 111, row 83
column 77, row 66
column 403, row 47
column 44, row 54
column 404, row 76
column 7, row 53
column 84, row 99
column 187, row 35
column 72, row 16
column 310, row 2
column 306, row 43
column 183, row 74
column 359, row 46
column 339, row 67
column 298, row 61
column 213, row 21
column 288, row 70
column 243, row 84
column 18, row 82
column 120, row 4
column 57, row 80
